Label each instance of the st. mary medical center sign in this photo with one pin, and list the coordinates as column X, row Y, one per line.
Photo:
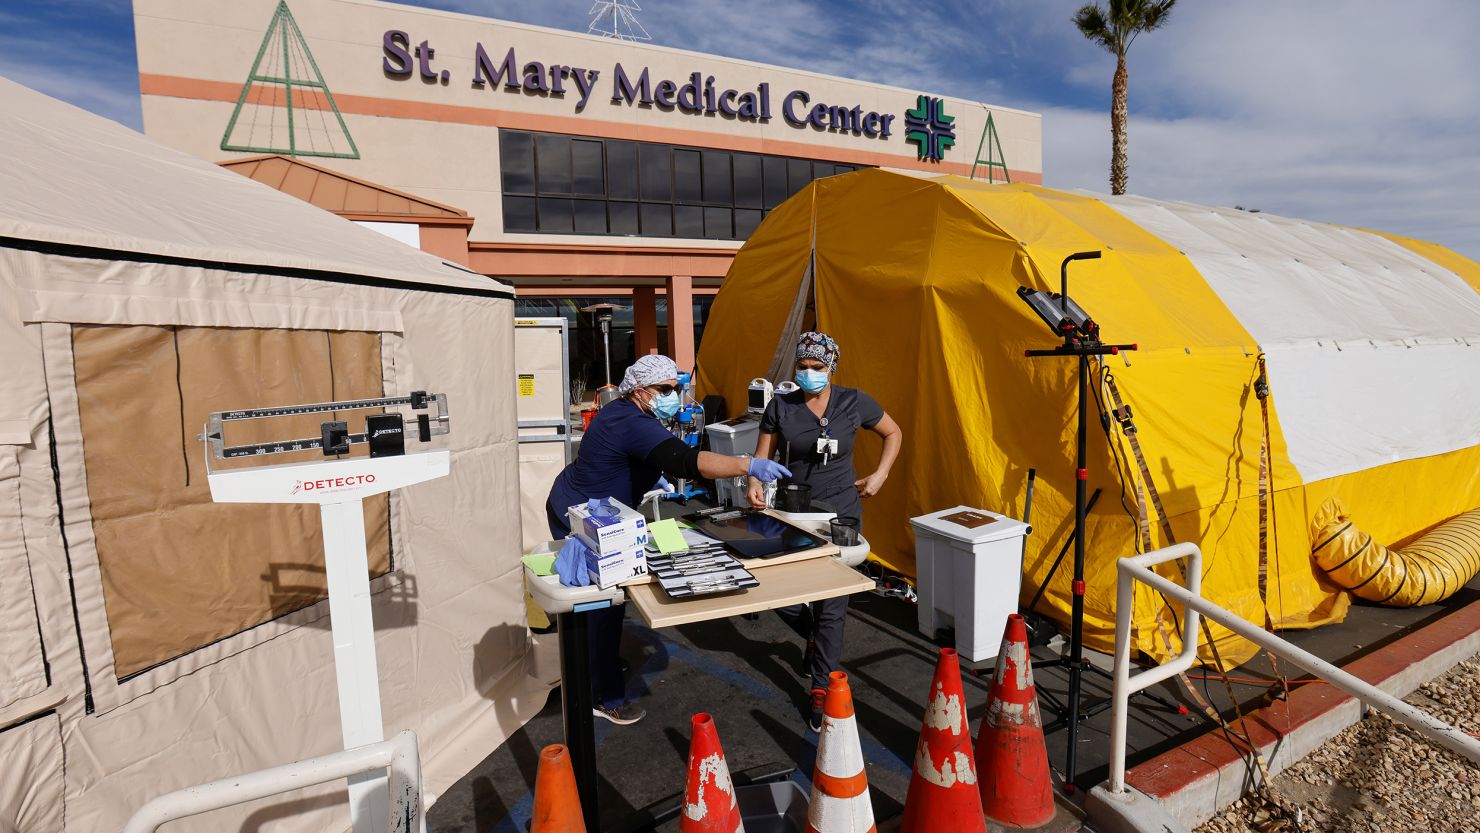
column 927, row 126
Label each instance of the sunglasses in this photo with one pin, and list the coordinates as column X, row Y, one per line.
column 664, row 389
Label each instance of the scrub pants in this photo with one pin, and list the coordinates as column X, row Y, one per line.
column 821, row 623
column 604, row 629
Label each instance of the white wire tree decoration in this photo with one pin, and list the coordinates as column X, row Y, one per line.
column 617, row 19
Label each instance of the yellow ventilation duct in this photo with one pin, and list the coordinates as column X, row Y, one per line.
column 1426, row 571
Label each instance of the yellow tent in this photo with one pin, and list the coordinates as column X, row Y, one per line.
column 1372, row 346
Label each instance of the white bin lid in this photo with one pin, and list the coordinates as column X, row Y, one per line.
column 969, row 525
column 737, row 425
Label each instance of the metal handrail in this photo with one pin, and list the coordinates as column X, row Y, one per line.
column 1138, row 568
column 398, row 754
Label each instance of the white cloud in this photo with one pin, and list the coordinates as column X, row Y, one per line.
column 1354, row 113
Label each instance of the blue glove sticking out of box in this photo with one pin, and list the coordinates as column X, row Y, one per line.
column 570, row 564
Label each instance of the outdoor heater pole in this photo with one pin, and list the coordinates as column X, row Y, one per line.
column 606, row 342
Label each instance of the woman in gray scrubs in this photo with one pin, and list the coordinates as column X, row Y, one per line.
column 814, row 429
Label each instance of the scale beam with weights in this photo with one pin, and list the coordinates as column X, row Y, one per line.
column 339, row 485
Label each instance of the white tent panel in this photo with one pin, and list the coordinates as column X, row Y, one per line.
column 63, row 185
column 1374, row 351
column 1310, row 281
column 1349, row 409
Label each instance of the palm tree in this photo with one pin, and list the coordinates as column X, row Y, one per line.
column 1116, row 29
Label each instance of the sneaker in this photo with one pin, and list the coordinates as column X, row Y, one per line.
column 814, row 720
column 623, row 715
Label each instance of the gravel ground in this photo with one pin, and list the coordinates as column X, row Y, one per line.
column 1377, row 776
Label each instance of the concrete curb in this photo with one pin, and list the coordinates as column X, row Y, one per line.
column 1199, row 779
column 1129, row 812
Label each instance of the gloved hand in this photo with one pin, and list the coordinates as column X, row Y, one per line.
column 664, row 484
column 570, row 564
column 767, row 471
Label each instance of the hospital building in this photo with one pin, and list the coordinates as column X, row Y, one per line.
column 579, row 169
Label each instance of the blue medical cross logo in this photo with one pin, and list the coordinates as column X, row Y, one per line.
column 930, row 128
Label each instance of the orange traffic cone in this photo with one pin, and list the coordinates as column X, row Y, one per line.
column 1011, row 759
column 943, row 796
column 557, row 806
column 709, row 804
column 840, row 802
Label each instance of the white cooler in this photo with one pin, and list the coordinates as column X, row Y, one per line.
column 969, row 566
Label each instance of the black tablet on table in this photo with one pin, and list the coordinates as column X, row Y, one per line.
column 752, row 534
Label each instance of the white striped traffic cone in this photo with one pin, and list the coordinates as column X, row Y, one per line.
column 840, row 802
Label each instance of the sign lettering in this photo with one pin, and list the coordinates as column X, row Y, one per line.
column 699, row 94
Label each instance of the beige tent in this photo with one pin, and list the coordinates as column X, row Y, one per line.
column 149, row 638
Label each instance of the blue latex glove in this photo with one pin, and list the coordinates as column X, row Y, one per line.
column 601, row 508
column 768, row 471
column 570, row 564
column 663, row 484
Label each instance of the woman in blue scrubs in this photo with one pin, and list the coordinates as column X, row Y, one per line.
column 622, row 456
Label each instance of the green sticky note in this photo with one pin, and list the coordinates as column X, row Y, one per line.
column 667, row 536
column 541, row 565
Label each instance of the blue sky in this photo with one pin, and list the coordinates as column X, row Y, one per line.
column 1357, row 112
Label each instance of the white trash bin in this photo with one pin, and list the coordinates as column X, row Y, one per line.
column 969, row 566
column 734, row 437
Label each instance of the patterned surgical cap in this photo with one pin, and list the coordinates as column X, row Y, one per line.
column 819, row 346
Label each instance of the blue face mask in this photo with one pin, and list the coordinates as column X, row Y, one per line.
column 812, row 381
column 665, row 406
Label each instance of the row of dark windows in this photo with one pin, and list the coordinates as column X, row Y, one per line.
column 570, row 185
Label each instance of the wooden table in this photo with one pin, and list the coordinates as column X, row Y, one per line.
column 806, row 576
column 794, row 581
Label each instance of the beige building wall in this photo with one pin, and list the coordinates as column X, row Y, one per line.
column 438, row 137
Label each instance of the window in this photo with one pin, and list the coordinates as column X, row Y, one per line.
column 774, row 179
column 621, row 170
column 516, row 157
column 686, row 177
column 586, row 165
column 717, row 177
column 655, row 172
column 590, row 217
column 747, row 181
column 552, row 164
column 557, row 184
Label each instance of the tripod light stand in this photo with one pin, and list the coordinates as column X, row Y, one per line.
column 1081, row 340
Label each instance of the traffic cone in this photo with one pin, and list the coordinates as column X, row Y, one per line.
column 557, row 806
column 709, row 804
column 840, row 802
column 943, row 796
column 1011, row 758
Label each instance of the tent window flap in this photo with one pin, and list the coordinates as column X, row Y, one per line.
column 179, row 571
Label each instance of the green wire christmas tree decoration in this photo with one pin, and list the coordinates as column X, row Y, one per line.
column 285, row 77
column 995, row 159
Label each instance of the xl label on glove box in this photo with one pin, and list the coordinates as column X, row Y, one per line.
column 615, row 568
